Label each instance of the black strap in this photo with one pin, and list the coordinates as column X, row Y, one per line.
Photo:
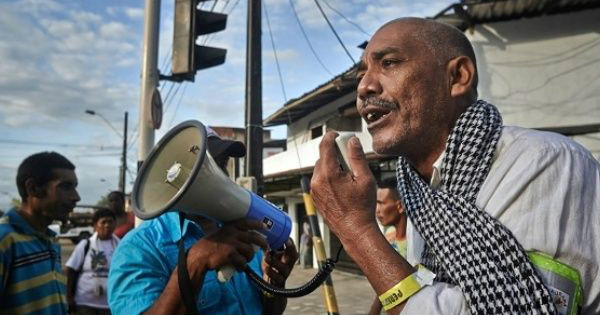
column 86, row 249
column 80, row 269
column 186, row 290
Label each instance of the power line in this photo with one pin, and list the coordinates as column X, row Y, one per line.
column 96, row 155
column 312, row 49
column 169, row 101
column 65, row 145
column 165, row 62
column 233, row 7
column 177, row 106
column 345, row 18
column 334, row 32
column 211, row 36
column 275, row 52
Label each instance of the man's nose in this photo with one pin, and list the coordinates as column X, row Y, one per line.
column 368, row 85
column 76, row 196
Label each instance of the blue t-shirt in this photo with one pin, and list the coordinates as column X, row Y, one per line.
column 31, row 278
column 145, row 259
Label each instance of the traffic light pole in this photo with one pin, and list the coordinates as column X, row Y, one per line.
column 149, row 77
column 254, row 128
column 122, row 177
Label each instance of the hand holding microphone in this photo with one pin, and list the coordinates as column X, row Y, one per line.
column 345, row 198
column 232, row 245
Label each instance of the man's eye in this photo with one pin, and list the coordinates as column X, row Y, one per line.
column 388, row 62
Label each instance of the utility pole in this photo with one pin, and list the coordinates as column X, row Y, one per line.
column 122, row 182
column 149, row 77
column 254, row 128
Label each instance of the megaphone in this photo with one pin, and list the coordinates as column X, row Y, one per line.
column 181, row 175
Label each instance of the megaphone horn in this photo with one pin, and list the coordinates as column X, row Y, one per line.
column 181, row 175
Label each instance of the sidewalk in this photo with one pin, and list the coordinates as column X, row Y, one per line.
column 353, row 293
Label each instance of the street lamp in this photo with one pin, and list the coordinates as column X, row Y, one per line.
column 123, row 169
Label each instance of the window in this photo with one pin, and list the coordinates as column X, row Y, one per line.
column 316, row 132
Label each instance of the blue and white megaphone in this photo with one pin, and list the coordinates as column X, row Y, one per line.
column 180, row 175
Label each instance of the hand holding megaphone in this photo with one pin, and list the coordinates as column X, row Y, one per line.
column 232, row 246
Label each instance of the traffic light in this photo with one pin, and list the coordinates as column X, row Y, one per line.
column 190, row 22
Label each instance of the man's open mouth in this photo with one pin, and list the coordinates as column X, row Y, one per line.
column 373, row 115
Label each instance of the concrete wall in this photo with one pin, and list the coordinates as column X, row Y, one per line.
column 543, row 71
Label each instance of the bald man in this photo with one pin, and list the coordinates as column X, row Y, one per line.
column 505, row 218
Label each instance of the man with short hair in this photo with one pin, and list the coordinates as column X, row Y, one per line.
column 389, row 211
column 31, row 277
column 505, row 217
column 147, row 261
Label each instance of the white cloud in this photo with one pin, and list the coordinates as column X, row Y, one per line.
column 113, row 30
column 134, row 13
column 65, row 62
column 85, row 18
column 284, row 55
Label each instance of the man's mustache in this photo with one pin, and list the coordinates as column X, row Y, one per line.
column 379, row 102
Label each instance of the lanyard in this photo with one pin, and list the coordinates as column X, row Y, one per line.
column 562, row 280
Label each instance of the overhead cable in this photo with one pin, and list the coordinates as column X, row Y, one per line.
column 312, row 49
column 55, row 144
column 346, row 19
column 275, row 52
column 334, row 31
column 177, row 106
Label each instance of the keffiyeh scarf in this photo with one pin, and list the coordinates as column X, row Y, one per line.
column 465, row 246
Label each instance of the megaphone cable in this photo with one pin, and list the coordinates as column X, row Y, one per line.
column 303, row 290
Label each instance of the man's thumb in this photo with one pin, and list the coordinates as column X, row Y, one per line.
column 356, row 157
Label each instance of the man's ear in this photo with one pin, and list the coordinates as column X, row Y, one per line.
column 462, row 76
column 399, row 206
column 33, row 189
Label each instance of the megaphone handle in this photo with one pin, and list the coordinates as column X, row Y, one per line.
column 226, row 272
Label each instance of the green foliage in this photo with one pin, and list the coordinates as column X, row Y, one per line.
column 15, row 202
column 103, row 202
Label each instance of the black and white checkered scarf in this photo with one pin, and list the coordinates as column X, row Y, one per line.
column 465, row 246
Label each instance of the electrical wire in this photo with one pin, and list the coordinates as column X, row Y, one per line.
column 233, row 7
column 165, row 62
column 312, row 49
column 177, row 106
column 334, row 31
column 275, row 52
column 210, row 36
column 55, row 144
column 346, row 19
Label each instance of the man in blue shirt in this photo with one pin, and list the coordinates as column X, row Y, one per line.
column 143, row 276
column 31, row 278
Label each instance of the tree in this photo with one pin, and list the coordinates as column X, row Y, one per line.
column 15, row 202
column 103, row 202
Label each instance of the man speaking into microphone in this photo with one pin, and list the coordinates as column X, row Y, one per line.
column 505, row 217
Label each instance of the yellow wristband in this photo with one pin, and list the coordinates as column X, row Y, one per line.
column 400, row 292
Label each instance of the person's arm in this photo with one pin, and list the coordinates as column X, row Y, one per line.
column 276, row 269
column 74, row 263
column 71, row 287
column 347, row 202
column 230, row 245
column 5, row 262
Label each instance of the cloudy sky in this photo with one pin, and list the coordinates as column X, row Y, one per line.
column 60, row 58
